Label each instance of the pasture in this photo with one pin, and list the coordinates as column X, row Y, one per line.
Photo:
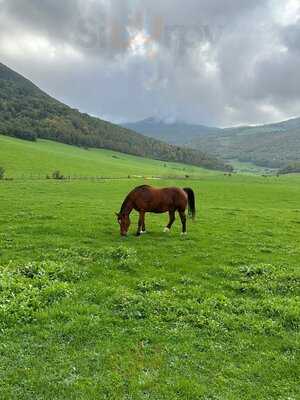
column 85, row 314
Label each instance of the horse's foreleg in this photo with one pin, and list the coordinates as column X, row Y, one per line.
column 183, row 221
column 171, row 221
column 140, row 223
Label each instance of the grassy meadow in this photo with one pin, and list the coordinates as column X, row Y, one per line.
column 85, row 314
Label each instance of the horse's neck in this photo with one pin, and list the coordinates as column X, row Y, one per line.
column 127, row 207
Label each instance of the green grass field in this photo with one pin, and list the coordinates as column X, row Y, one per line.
column 85, row 314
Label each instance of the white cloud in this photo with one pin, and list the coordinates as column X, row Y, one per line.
column 286, row 12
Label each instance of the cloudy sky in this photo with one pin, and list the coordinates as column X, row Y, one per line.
column 212, row 62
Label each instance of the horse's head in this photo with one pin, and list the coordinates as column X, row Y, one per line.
column 124, row 222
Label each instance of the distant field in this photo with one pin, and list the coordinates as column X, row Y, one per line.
column 85, row 314
column 250, row 168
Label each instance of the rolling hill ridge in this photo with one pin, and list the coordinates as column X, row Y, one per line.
column 271, row 145
column 178, row 133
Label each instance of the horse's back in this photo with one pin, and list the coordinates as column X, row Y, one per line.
column 174, row 190
column 178, row 196
column 168, row 191
column 159, row 200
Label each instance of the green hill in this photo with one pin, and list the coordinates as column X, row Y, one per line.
column 22, row 158
column 27, row 112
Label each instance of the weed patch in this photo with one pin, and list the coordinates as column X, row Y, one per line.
column 121, row 257
column 28, row 288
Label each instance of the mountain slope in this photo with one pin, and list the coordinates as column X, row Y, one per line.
column 178, row 133
column 27, row 112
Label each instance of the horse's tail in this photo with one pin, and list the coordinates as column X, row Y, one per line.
column 191, row 202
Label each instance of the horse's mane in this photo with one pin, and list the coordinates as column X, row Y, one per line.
column 140, row 187
column 127, row 197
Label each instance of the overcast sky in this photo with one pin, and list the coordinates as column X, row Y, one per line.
column 211, row 62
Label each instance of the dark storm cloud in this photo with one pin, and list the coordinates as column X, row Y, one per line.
column 206, row 61
column 82, row 24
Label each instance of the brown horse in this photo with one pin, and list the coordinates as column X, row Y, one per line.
column 148, row 199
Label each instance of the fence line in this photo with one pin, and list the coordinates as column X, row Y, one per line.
column 32, row 177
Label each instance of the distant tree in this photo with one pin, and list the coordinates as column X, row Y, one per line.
column 2, row 172
column 290, row 169
column 26, row 135
column 22, row 134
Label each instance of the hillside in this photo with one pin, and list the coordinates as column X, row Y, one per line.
column 270, row 145
column 274, row 145
column 22, row 158
column 27, row 112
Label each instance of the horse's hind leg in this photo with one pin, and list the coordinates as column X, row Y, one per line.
column 171, row 221
column 143, row 225
column 183, row 221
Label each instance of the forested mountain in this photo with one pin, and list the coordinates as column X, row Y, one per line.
column 29, row 113
column 271, row 145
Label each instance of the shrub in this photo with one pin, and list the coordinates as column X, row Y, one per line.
column 57, row 175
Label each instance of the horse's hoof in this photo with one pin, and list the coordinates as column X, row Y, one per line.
column 183, row 233
column 142, row 232
column 166, row 230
